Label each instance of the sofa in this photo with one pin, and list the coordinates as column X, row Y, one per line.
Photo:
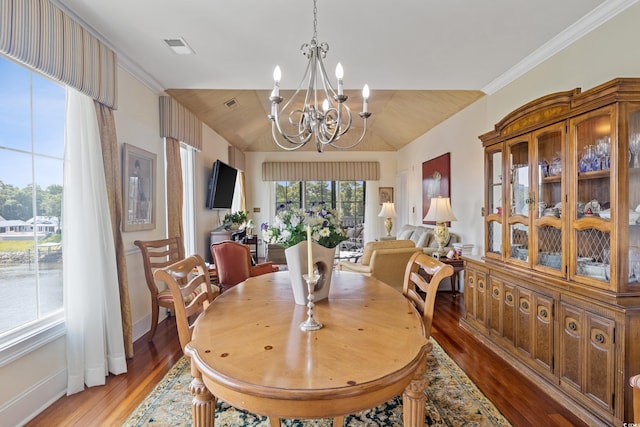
column 385, row 260
column 422, row 236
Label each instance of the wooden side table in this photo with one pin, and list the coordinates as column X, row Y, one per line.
column 458, row 266
column 252, row 242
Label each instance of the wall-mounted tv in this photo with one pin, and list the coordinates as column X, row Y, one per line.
column 221, row 186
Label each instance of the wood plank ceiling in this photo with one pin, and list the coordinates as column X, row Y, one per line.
column 399, row 116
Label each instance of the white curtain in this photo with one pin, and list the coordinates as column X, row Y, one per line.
column 95, row 345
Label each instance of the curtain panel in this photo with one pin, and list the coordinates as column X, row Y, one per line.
column 320, row 171
column 38, row 34
column 179, row 123
column 174, row 188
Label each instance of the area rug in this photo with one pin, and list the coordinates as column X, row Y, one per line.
column 452, row 400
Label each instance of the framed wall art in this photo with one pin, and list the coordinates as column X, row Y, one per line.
column 385, row 194
column 436, row 181
column 138, row 189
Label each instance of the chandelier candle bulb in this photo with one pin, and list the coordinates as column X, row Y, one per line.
column 309, row 253
column 365, row 99
column 340, row 75
column 277, row 75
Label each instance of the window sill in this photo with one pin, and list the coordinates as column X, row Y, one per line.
column 17, row 344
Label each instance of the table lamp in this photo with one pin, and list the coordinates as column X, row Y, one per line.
column 440, row 212
column 388, row 211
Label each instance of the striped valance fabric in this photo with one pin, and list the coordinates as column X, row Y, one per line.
column 38, row 34
column 320, row 171
column 179, row 123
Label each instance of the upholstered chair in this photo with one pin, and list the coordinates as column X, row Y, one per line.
column 385, row 260
column 233, row 263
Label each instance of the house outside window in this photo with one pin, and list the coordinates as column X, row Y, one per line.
column 32, row 117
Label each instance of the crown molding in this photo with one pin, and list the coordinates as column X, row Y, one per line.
column 579, row 29
column 124, row 61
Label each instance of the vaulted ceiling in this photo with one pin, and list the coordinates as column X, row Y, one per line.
column 424, row 60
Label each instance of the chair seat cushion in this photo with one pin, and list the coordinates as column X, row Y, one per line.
column 165, row 296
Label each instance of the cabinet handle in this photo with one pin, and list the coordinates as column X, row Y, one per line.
column 599, row 338
column 525, row 305
column 496, row 291
column 471, row 280
column 510, row 298
column 573, row 326
column 543, row 313
column 481, row 285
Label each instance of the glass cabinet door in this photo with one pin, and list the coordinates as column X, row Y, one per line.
column 519, row 200
column 548, row 242
column 594, row 203
column 631, row 263
column 493, row 203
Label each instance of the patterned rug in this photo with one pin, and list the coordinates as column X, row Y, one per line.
column 452, row 400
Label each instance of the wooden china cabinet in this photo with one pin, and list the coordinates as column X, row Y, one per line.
column 557, row 291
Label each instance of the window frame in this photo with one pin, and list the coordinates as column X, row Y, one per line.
column 31, row 335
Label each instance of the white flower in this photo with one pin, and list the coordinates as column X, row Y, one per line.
column 325, row 232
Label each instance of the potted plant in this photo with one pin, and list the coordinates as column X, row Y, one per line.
column 235, row 220
column 290, row 228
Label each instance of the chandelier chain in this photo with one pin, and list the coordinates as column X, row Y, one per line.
column 315, row 20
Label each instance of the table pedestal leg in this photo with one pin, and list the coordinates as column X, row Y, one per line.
column 414, row 399
column 203, row 407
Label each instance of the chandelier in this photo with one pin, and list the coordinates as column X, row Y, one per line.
column 324, row 114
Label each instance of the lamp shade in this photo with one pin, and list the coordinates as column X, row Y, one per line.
column 440, row 210
column 388, row 210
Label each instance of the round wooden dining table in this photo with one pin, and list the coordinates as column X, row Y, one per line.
column 248, row 349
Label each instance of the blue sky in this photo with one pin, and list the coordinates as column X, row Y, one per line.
column 48, row 102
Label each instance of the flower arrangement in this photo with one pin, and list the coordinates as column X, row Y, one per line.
column 290, row 226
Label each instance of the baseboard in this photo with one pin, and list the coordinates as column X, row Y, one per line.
column 28, row 404
column 142, row 326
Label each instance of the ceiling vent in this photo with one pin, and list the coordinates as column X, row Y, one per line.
column 179, row 46
column 232, row 104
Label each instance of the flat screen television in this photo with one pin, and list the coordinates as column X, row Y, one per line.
column 221, row 186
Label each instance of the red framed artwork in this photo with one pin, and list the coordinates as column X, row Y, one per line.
column 436, row 181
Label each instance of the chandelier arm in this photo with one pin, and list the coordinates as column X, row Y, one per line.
column 296, row 144
column 297, row 139
column 348, row 147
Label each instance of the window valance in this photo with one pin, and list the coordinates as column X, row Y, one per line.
column 179, row 123
column 38, row 34
column 320, row 171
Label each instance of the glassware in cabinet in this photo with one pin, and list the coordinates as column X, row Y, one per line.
column 494, row 196
column 592, row 196
column 547, row 245
column 631, row 263
column 519, row 199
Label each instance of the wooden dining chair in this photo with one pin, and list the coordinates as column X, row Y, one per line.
column 159, row 254
column 421, row 280
column 233, row 263
column 190, row 286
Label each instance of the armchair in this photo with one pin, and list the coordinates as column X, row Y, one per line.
column 233, row 264
column 385, row 260
column 635, row 384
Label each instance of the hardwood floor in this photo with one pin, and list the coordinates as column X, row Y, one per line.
column 521, row 402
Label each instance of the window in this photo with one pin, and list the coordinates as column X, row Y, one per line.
column 188, row 199
column 347, row 197
column 32, row 113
